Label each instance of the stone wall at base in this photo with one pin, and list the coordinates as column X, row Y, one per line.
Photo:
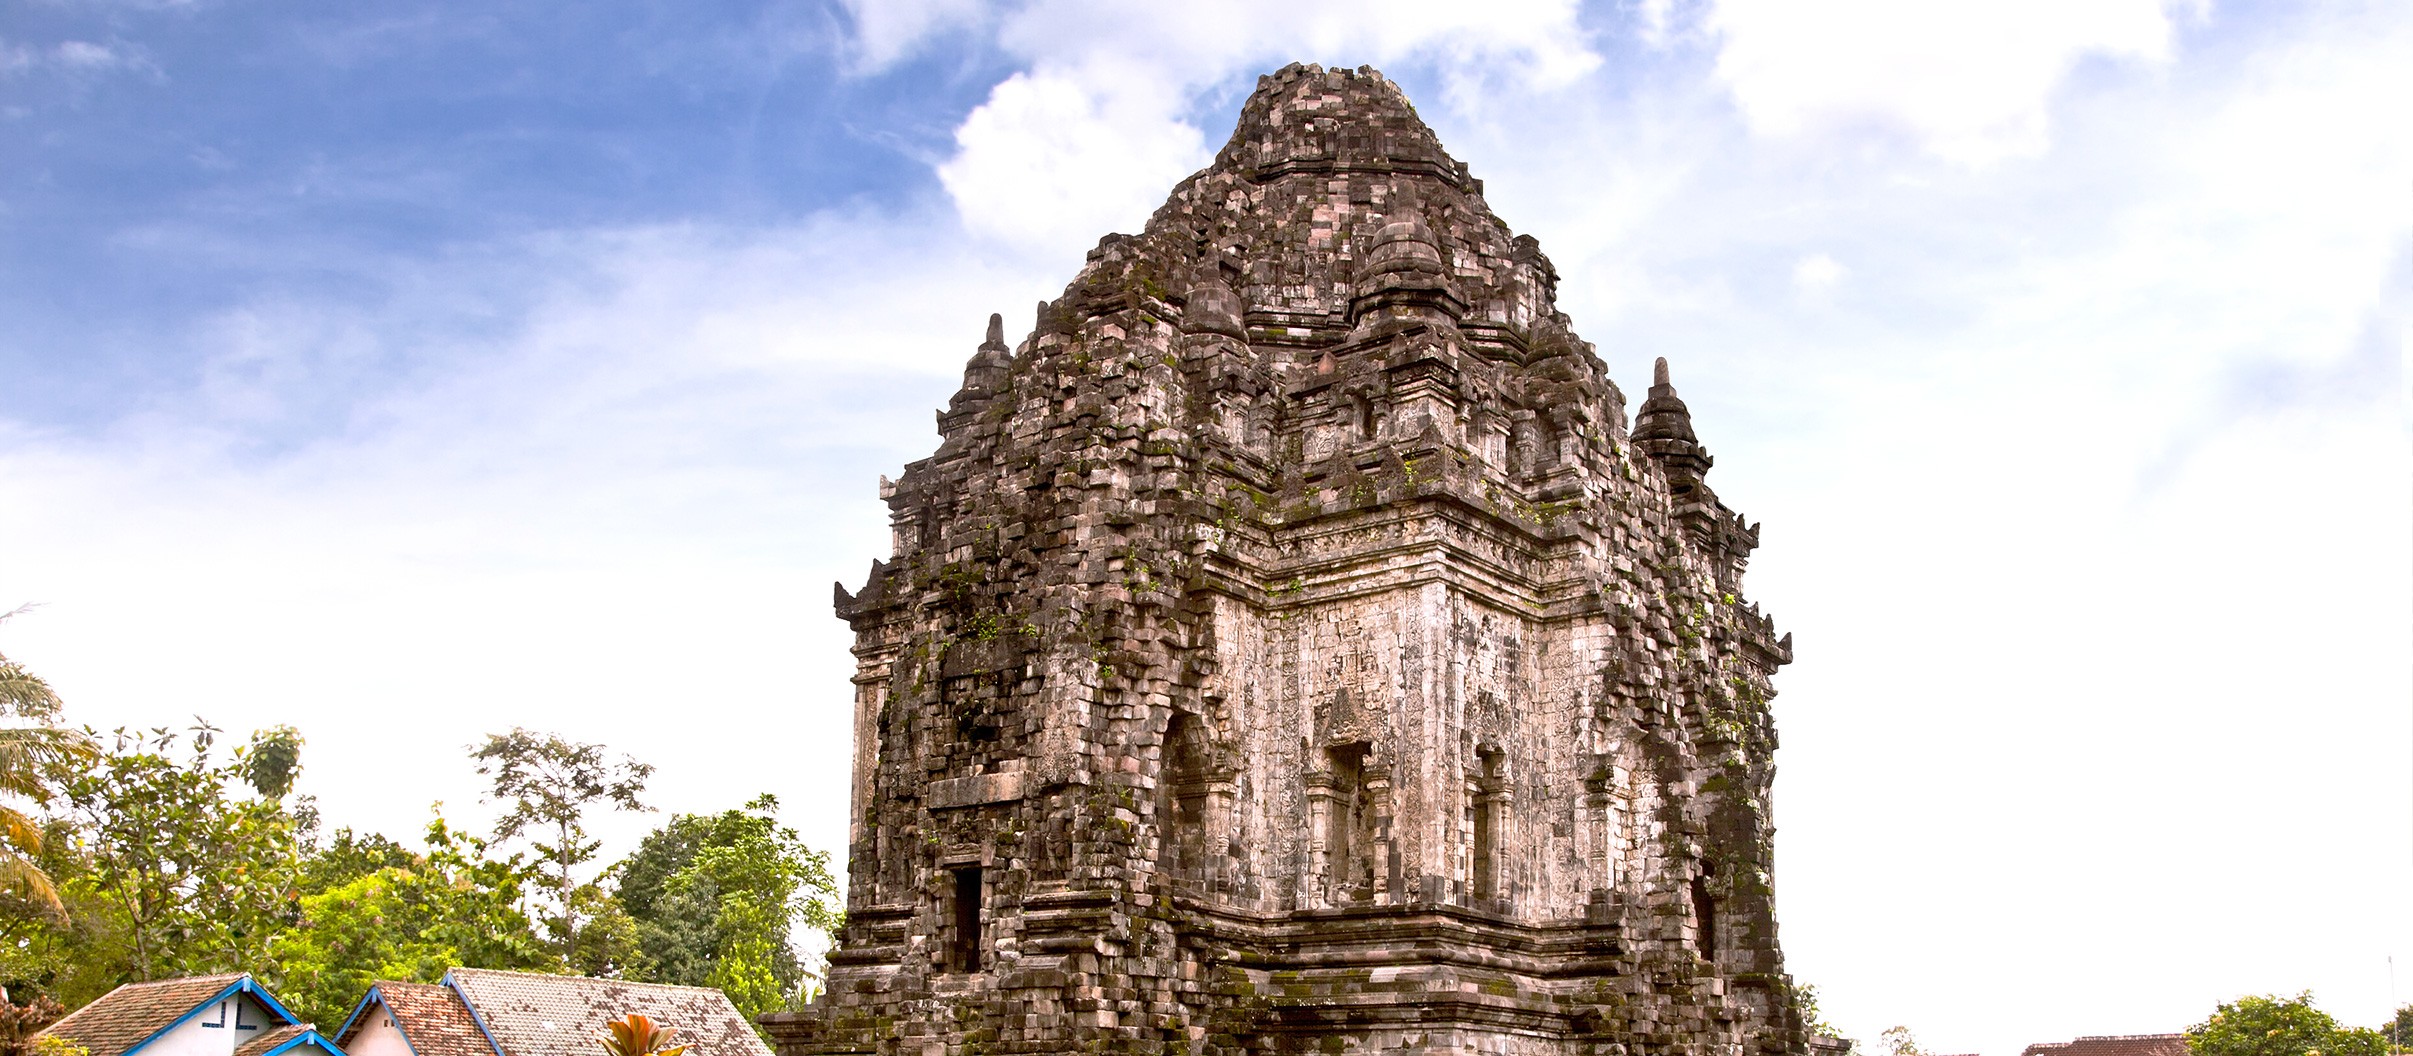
column 1291, row 648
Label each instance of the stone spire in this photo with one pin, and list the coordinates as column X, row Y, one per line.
column 984, row 375
column 1663, row 430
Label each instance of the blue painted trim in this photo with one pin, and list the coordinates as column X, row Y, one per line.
column 474, row 1015
column 244, row 985
column 307, row 1037
column 377, row 997
column 367, row 999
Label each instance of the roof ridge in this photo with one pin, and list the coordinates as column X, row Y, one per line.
column 585, row 979
column 213, row 977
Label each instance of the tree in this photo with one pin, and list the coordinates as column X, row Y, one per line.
column 2399, row 1030
column 550, row 783
column 1813, row 1021
column 410, row 920
column 19, row 1023
column 2271, row 1025
column 716, row 897
column 195, row 877
column 33, row 747
column 1896, row 1041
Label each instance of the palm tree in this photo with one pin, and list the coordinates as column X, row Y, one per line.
column 29, row 750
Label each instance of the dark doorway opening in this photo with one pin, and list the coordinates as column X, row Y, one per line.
column 963, row 949
column 1704, row 913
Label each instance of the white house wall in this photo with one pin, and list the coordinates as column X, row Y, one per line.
column 379, row 1036
column 217, row 1030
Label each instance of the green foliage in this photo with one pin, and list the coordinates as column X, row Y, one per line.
column 2271, row 1025
column 348, row 856
column 33, row 749
column 2399, row 1030
column 378, row 919
column 715, row 897
column 1897, row 1041
column 549, row 784
column 273, row 762
column 192, row 877
column 1813, row 1020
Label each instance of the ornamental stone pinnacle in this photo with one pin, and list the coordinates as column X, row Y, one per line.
column 1288, row 649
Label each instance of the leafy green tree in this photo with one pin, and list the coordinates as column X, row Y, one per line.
column 2271, row 1025
column 1812, row 1020
column 2399, row 1031
column 195, row 876
column 378, row 918
column 549, row 784
column 33, row 748
column 715, row 898
column 348, row 856
column 606, row 946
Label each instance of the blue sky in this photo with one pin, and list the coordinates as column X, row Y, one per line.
column 407, row 371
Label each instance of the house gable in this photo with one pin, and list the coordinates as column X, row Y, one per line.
column 412, row 1019
column 213, row 1015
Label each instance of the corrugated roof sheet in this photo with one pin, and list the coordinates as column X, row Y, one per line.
column 2113, row 1045
column 126, row 1016
column 564, row 1015
column 432, row 1017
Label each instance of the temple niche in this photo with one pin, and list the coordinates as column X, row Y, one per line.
column 1290, row 647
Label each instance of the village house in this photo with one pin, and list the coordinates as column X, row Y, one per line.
column 2113, row 1045
column 203, row 1015
column 479, row 1012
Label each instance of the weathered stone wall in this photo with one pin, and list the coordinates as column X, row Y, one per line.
column 1290, row 648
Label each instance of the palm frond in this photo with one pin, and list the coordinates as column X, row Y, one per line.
column 27, row 751
column 24, row 693
column 19, row 830
column 20, row 878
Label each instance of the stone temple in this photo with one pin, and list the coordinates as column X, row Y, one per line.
column 1291, row 647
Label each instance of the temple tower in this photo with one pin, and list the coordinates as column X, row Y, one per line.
column 1289, row 648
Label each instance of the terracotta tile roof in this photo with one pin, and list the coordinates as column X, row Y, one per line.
column 272, row 1038
column 432, row 1017
column 2113, row 1045
column 564, row 1015
column 129, row 1015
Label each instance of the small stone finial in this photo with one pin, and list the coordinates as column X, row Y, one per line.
column 985, row 373
column 1663, row 430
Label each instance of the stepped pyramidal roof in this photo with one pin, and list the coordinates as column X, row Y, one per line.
column 1290, row 647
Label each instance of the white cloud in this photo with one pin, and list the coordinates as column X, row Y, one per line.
column 1815, row 274
column 1973, row 82
column 1092, row 133
column 1049, row 162
column 616, row 515
column 74, row 57
column 85, row 54
column 886, row 31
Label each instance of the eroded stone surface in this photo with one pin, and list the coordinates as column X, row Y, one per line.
column 1290, row 649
